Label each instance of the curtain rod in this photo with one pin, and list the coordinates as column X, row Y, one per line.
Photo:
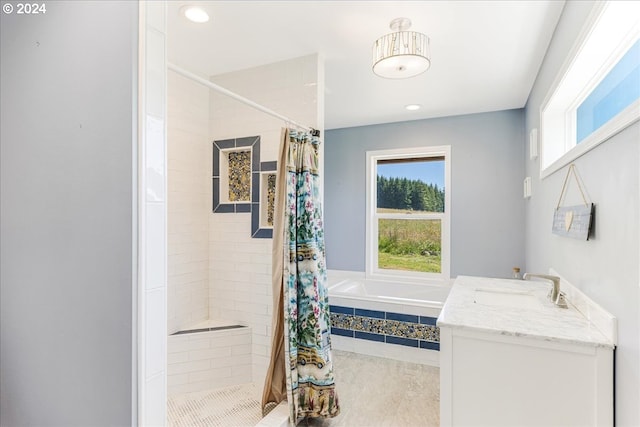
column 237, row 97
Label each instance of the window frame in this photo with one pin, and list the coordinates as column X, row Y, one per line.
column 575, row 81
column 371, row 262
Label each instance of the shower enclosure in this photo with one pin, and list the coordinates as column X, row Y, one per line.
column 220, row 154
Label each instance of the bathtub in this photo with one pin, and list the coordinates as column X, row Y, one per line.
column 386, row 318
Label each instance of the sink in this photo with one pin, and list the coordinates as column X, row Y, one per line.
column 507, row 298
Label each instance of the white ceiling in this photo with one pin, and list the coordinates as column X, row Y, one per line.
column 485, row 55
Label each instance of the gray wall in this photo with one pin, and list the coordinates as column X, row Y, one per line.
column 487, row 208
column 607, row 267
column 67, row 138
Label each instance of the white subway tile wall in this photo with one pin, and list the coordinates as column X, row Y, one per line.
column 240, row 266
column 209, row 360
column 152, row 297
column 189, row 202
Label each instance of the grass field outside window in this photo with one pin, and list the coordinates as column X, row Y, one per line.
column 410, row 245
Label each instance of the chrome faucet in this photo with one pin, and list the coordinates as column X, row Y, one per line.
column 555, row 295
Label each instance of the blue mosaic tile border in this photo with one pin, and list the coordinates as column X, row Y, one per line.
column 387, row 327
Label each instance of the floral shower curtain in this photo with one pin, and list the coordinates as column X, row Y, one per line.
column 301, row 367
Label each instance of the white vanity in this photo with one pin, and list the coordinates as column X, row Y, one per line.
column 510, row 357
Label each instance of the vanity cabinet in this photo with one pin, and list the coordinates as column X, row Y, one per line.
column 504, row 366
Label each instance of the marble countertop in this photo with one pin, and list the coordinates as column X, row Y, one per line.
column 545, row 321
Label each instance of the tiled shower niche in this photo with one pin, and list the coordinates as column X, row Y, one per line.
column 262, row 208
column 241, row 181
column 234, row 163
column 270, row 191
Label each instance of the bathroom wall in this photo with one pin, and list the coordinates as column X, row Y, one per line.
column 150, row 220
column 607, row 266
column 67, row 264
column 487, row 207
column 240, row 266
column 189, row 202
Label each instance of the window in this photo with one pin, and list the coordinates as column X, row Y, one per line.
column 619, row 89
column 408, row 211
column 597, row 92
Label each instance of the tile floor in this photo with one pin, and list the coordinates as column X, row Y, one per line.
column 373, row 392
column 236, row 406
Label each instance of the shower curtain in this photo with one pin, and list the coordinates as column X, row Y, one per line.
column 301, row 366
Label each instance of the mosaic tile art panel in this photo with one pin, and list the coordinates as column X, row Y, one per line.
column 271, row 198
column 239, row 158
column 239, row 176
column 263, row 198
column 393, row 328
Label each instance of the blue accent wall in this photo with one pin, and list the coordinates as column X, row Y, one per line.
column 487, row 207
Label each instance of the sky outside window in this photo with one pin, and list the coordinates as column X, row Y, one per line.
column 429, row 172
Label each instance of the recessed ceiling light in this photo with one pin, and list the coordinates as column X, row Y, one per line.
column 195, row 14
column 412, row 107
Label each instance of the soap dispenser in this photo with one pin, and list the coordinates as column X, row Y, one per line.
column 516, row 273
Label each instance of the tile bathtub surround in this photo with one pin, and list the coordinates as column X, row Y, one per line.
column 387, row 327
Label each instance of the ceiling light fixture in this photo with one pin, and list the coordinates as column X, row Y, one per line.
column 195, row 14
column 412, row 107
column 401, row 54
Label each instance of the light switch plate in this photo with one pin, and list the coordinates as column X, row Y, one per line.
column 533, row 144
column 527, row 187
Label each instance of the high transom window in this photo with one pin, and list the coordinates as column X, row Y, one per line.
column 597, row 92
column 408, row 212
